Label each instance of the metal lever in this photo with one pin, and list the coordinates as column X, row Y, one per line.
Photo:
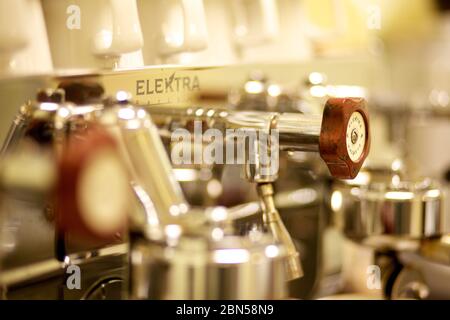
column 341, row 135
column 274, row 224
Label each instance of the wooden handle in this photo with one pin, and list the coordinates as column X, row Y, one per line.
column 344, row 141
column 92, row 194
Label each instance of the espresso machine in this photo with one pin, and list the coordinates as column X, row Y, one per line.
column 209, row 149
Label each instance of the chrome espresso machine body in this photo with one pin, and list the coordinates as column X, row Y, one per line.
column 80, row 123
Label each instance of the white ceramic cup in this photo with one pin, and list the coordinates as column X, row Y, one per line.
column 235, row 27
column 221, row 47
column 93, row 33
column 171, row 28
column 23, row 38
column 256, row 21
column 283, row 39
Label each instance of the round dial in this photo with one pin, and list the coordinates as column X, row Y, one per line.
column 355, row 136
column 344, row 140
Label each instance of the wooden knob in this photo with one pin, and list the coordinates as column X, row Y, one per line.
column 92, row 194
column 344, row 140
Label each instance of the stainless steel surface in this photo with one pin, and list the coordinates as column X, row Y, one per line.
column 273, row 222
column 198, row 267
column 16, row 130
column 46, row 280
column 138, row 138
column 436, row 249
column 428, row 277
column 298, row 199
column 37, row 270
column 147, row 161
column 406, row 210
column 297, row 132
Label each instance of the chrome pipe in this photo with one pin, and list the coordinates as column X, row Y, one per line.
column 148, row 162
column 299, row 199
column 296, row 131
column 17, row 129
column 274, row 223
column 244, row 210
